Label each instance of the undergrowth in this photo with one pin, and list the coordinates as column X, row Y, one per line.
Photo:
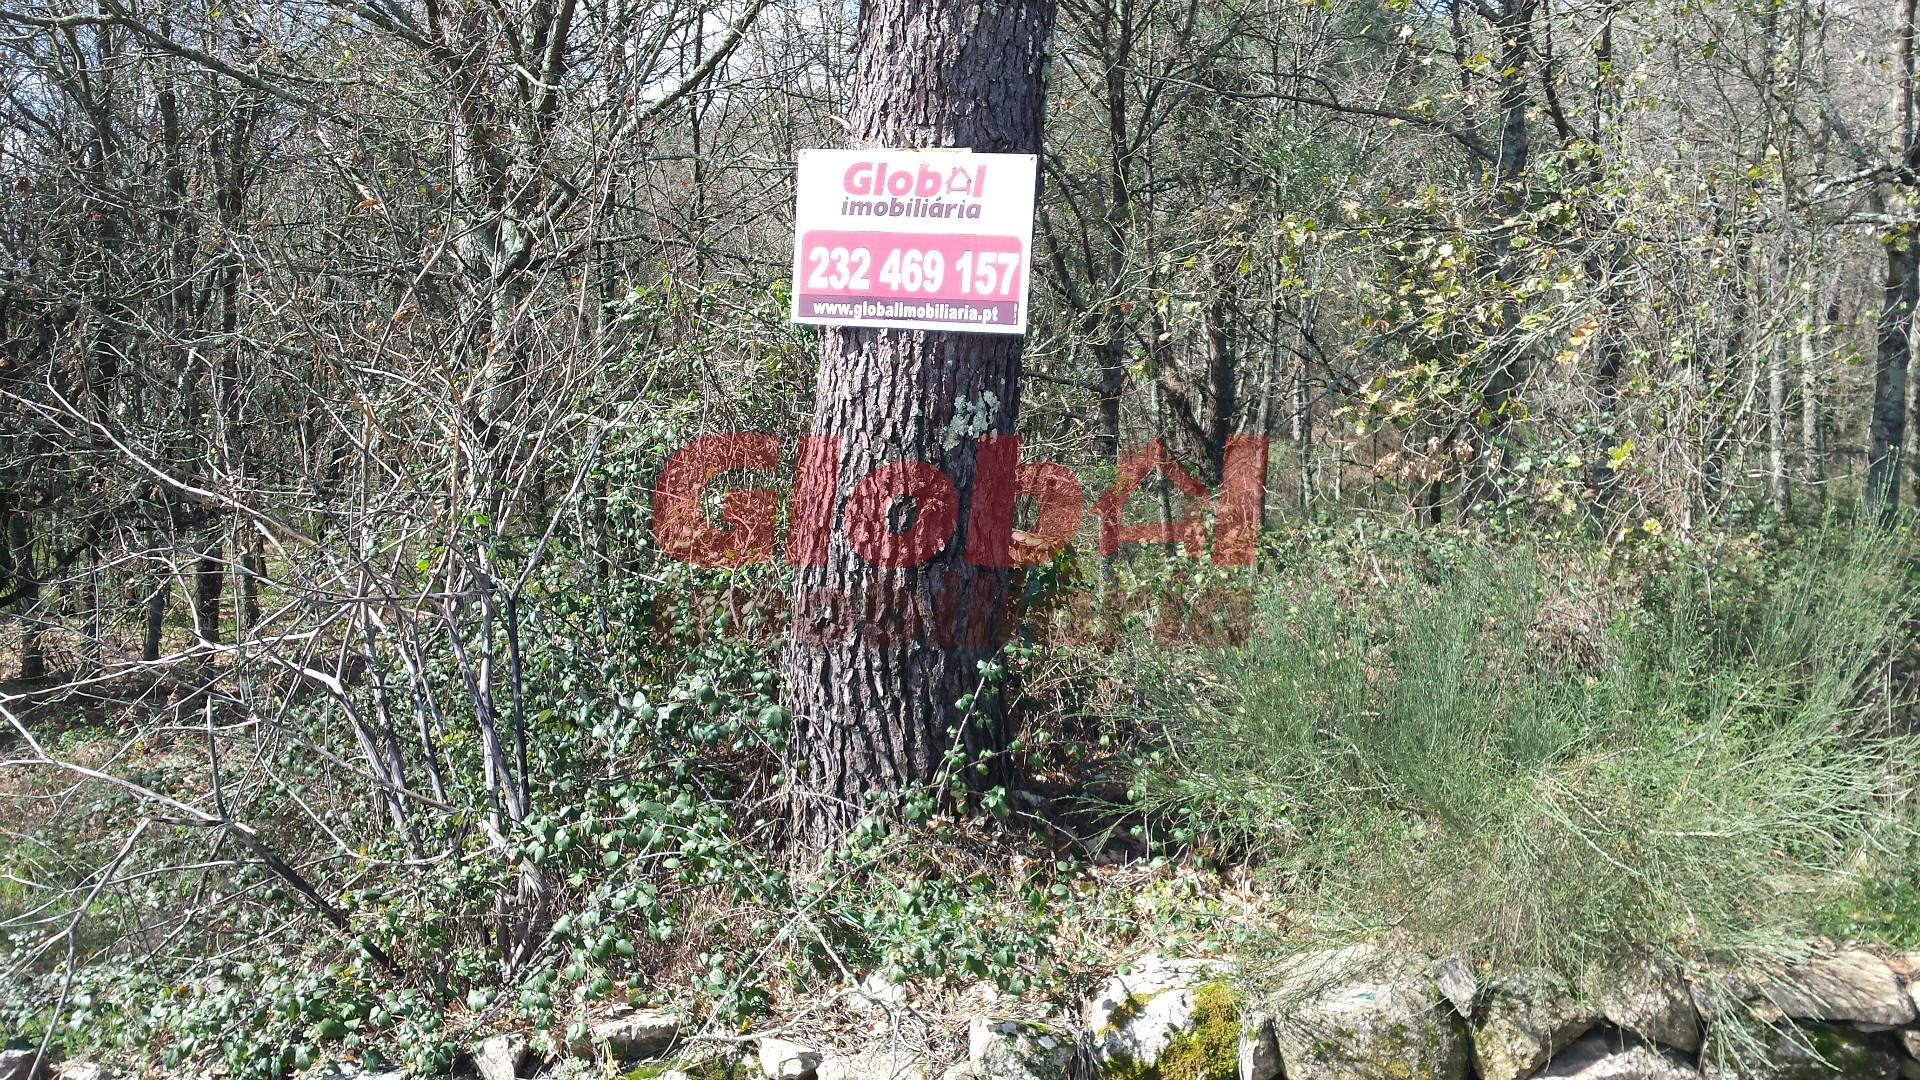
column 1528, row 755
column 1535, row 756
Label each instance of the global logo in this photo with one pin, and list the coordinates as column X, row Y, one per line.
column 874, row 178
column 1224, row 523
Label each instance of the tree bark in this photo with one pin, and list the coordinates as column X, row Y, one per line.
column 1894, row 332
column 884, row 674
column 1813, row 457
column 209, row 581
column 20, row 567
column 1512, row 24
column 156, row 617
column 1777, row 427
column 1111, row 351
column 1893, row 351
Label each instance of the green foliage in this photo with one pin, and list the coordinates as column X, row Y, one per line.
column 654, row 734
column 1503, row 759
column 894, row 908
column 257, row 1018
column 1532, row 755
column 1882, row 905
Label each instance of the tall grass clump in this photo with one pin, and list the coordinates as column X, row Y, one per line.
column 1535, row 767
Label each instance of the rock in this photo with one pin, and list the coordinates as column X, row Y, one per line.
column 627, row 1033
column 1905, row 964
column 1137, row 1012
column 1849, row 985
column 499, row 1057
column 1649, row 998
column 1599, row 1055
column 1810, row 1052
column 1177, row 1019
column 1362, row 1013
column 1910, row 1041
column 783, row 1060
column 879, row 991
column 1021, row 1050
column 872, row 1065
column 16, row 1064
column 79, row 1070
column 1529, row 1018
column 1259, row 1054
column 1457, row 985
column 1147, row 978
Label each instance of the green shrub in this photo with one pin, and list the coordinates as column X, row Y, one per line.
column 1541, row 766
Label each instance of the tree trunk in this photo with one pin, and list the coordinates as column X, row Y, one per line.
column 1894, row 332
column 156, row 618
column 1301, row 408
column 1223, row 376
column 19, row 541
column 91, row 621
column 1894, row 350
column 1112, row 354
column 1777, row 426
column 1118, row 224
column 884, row 674
column 209, row 581
column 253, row 568
column 1912, row 410
column 1813, row 456
column 1721, row 382
column 1514, row 28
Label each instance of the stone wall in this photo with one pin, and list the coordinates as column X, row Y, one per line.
column 1366, row 1012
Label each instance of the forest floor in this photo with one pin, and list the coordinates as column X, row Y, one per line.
column 1530, row 753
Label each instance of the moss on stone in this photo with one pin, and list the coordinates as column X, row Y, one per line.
column 1397, row 1051
column 703, row 1067
column 1809, row 1052
column 1395, row 1048
column 1211, row 1051
column 1840, row 1054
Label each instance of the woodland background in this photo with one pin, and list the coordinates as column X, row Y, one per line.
column 351, row 712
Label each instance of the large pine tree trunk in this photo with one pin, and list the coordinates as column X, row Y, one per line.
column 883, row 655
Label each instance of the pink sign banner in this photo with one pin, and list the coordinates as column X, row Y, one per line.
column 919, row 240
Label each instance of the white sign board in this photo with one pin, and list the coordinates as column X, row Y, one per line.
column 914, row 239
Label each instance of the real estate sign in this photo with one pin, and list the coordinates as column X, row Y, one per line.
column 914, row 239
